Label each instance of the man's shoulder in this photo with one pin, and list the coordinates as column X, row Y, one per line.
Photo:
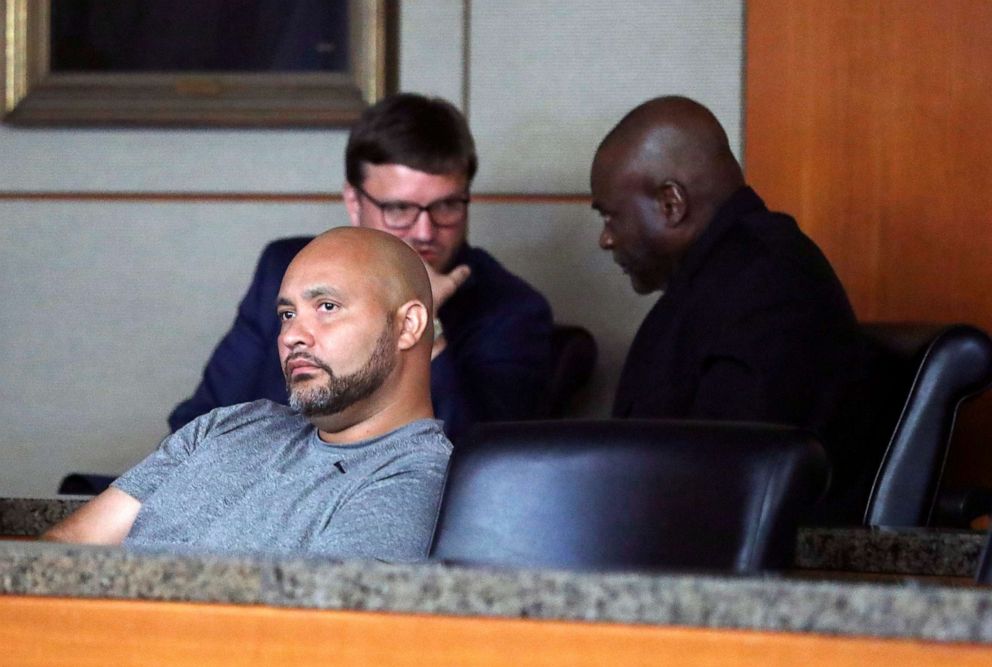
column 254, row 415
column 778, row 233
column 282, row 251
column 768, row 251
column 766, row 265
column 420, row 445
column 423, row 437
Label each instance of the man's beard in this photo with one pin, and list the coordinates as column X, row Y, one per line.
column 339, row 393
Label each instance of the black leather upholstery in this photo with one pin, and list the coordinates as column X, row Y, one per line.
column 84, row 484
column 628, row 494
column 574, row 352
column 932, row 369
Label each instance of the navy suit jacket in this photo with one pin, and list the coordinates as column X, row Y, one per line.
column 754, row 326
column 495, row 366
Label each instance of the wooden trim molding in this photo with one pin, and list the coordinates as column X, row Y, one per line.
column 51, row 631
column 274, row 197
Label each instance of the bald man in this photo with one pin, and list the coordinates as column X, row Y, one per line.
column 352, row 469
column 752, row 324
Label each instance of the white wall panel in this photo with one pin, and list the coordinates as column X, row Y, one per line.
column 550, row 77
column 171, row 160
column 432, row 39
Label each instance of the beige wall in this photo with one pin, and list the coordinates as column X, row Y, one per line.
column 111, row 308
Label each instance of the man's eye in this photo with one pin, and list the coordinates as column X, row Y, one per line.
column 446, row 206
column 327, row 306
column 285, row 315
column 396, row 208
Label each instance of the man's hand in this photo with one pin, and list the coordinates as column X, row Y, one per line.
column 443, row 285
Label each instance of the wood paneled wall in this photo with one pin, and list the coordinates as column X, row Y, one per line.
column 869, row 120
column 65, row 631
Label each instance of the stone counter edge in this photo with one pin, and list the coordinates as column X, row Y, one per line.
column 909, row 552
column 766, row 603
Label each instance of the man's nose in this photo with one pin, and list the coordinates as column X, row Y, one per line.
column 295, row 333
column 605, row 240
column 423, row 227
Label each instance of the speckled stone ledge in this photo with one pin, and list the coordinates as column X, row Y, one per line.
column 907, row 610
column 43, row 568
column 33, row 516
column 878, row 551
column 945, row 553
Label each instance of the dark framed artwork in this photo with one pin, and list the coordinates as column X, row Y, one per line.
column 226, row 63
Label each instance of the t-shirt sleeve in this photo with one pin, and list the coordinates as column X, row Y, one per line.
column 391, row 518
column 143, row 479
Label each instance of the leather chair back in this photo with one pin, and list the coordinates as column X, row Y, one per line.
column 628, row 494
column 932, row 369
column 574, row 352
column 84, row 484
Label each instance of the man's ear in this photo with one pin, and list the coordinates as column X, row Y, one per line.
column 352, row 203
column 673, row 202
column 414, row 321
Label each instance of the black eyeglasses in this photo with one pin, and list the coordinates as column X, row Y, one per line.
column 446, row 212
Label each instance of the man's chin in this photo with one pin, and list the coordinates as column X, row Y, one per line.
column 641, row 287
column 436, row 260
column 305, row 400
column 429, row 257
column 309, row 407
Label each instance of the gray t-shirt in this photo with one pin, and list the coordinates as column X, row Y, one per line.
column 256, row 477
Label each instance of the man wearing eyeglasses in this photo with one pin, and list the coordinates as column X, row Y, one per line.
column 409, row 166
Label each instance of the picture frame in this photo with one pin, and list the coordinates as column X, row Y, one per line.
column 33, row 95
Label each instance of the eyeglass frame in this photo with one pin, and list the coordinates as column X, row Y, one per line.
column 464, row 199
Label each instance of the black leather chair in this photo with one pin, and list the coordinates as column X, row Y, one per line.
column 929, row 370
column 84, row 484
column 574, row 352
column 598, row 495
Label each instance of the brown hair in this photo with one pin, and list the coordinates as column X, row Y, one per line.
column 424, row 133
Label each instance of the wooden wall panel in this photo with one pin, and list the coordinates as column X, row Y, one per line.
column 39, row 632
column 869, row 121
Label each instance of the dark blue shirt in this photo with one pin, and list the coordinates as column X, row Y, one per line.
column 496, row 364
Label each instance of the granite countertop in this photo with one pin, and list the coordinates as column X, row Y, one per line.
column 908, row 551
column 941, row 553
column 907, row 609
column 26, row 517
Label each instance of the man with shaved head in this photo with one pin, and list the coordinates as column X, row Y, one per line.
column 353, row 468
column 752, row 323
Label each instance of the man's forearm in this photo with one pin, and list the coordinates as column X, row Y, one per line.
column 106, row 519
